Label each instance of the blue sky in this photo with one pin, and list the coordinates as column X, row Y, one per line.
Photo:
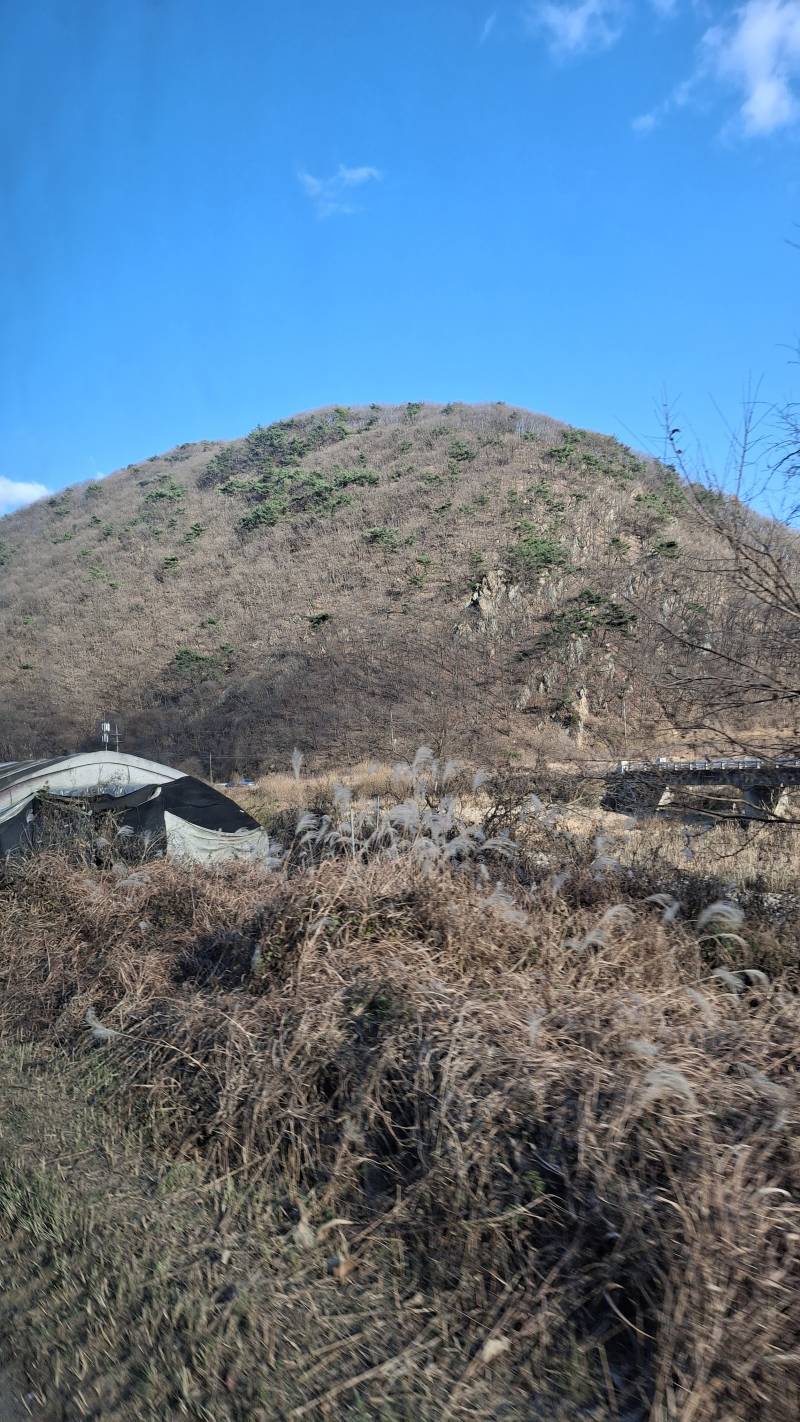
column 217, row 214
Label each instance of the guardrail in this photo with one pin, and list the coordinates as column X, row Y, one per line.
column 662, row 764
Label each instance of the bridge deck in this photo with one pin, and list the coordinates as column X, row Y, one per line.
column 744, row 770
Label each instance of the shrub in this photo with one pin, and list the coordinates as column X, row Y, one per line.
column 278, row 446
column 383, row 537
column 586, row 614
column 707, row 498
column 565, row 451
column 436, row 432
column 167, row 490
column 220, row 468
column 666, row 548
column 282, row 493
column 665, row 502
column 546, row 495
column 197, row 666
column 265, row 514
column 535, row 552
column 355, row 478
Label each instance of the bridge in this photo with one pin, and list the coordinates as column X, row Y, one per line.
column 642, row 787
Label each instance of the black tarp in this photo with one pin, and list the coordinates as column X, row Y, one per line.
column 201, row 804
column 141, row 810
column 13, row 832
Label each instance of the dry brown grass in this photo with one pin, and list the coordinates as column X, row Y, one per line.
column 546, row 1118
column 699, row 862
column 764, row 858
column 282, row 791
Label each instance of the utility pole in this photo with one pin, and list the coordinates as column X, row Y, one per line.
column 107, row 730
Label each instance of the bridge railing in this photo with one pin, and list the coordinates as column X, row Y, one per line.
column 663, row 765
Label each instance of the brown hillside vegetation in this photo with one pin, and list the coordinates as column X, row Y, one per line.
column 411, row 1127
column 355, row 581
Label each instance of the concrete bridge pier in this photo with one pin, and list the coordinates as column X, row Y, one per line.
column 636, row 795
column 764, row 802
column 650, row 798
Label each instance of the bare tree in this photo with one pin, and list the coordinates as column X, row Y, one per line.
column 732, row 670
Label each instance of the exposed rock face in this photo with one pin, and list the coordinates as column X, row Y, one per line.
column 581, row 715
column 489, row 595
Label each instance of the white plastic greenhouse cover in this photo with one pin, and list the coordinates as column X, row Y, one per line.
column 199, row 822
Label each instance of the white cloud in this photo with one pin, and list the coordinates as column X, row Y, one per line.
column 488, row 25
column 758, row 53
column 678, row 99
column 354, row 177
column 15, row 493
column 752, row 49
column 577, row 26
column 573, row 28
column 755, row 52
column 330, row 196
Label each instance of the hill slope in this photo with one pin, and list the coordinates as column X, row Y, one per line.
column 352, row 582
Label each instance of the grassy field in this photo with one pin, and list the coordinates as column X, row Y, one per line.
column 426, row 1123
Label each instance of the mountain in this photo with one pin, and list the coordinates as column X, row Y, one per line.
column 354, row 582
